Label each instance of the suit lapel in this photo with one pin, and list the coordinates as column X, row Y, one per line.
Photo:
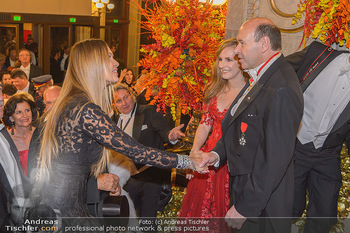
column 344, row 117
column 227, row 118
column 138, row 121
column 3, row 176
column 253, row 93
column 31, row 72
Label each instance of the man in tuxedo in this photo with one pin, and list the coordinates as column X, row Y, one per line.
column 32, row 71
column 12, row 57
column 324, row 75
column 14, row 185
column 150, row 128
column 20, row 81
column 259, row 131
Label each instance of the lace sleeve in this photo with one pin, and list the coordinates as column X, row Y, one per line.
column 96, row 124
column 206, row 118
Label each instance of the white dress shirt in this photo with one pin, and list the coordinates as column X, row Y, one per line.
column 124, row 119
column 26, row 70
column 324, row 101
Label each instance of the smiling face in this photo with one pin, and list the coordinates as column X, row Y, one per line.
column 128, row 77
column 114, row 67
column 248, row 50
column 22, row 115
column 228, row 63
column 19, row 83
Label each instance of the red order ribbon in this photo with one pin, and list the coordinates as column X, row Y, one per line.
column 244, row 127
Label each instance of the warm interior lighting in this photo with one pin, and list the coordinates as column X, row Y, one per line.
column 99, row 5
column 102, row 6
column 110, row 6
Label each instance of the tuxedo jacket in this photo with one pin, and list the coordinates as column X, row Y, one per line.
column 150, row 129
column 308, row 66
column 7, row 61
column 6, row 192
column 31, row 89
column 258, row 143
column 35, row 71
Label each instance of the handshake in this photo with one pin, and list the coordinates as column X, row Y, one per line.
column 202, row 160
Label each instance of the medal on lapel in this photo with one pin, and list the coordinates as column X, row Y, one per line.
column 242, row 140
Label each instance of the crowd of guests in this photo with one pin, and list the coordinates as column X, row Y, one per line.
column 271, row 132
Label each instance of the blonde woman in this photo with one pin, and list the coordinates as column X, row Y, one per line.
column 78, row 132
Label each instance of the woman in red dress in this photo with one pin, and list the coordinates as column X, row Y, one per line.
column 207, row 195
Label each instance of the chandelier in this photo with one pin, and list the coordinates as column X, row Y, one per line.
column 102, row 5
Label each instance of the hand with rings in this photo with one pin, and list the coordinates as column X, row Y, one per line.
column 109, row 182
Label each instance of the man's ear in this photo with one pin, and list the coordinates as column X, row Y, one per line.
column 265, row 43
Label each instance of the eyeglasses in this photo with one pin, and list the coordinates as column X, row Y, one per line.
column 124, row 99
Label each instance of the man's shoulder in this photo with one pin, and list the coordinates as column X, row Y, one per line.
column 146, row 108
column 35, row 68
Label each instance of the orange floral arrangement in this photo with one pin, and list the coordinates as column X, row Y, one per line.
column 186, row 34
column 327, row 20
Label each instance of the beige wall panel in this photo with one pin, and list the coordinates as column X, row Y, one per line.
column 59, row 7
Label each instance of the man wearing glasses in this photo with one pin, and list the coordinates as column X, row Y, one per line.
column 150, row 128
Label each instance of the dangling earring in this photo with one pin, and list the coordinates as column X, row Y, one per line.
column 30, row 127
column 12, row 128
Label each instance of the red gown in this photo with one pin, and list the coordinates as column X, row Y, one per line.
column 23, row 160
column 207, row 195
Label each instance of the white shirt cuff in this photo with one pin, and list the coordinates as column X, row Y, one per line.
column 216, row 165
column 174, row 142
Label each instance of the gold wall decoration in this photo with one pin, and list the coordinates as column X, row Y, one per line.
column 285, row 15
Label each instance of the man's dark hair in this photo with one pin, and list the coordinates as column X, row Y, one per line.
column 18, row 73
column 9, row 89
column 270, row 31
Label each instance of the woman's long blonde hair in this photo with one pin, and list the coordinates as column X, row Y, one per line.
column 217, row 83
column 87, row 69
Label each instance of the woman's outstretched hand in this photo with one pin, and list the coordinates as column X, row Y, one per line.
column 196, row 157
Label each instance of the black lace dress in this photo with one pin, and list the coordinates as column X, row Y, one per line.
column 83, row 133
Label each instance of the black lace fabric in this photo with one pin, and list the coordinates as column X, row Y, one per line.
column 83, row 131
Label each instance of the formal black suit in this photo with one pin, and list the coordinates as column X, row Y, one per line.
column 150, row 129
column 318, row 170
column 6, row 192
column 31, row 89
column 7, row 61
column 261, row 169
column 35, row 71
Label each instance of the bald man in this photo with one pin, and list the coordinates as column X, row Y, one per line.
column 259, row 132
column 50, row 95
